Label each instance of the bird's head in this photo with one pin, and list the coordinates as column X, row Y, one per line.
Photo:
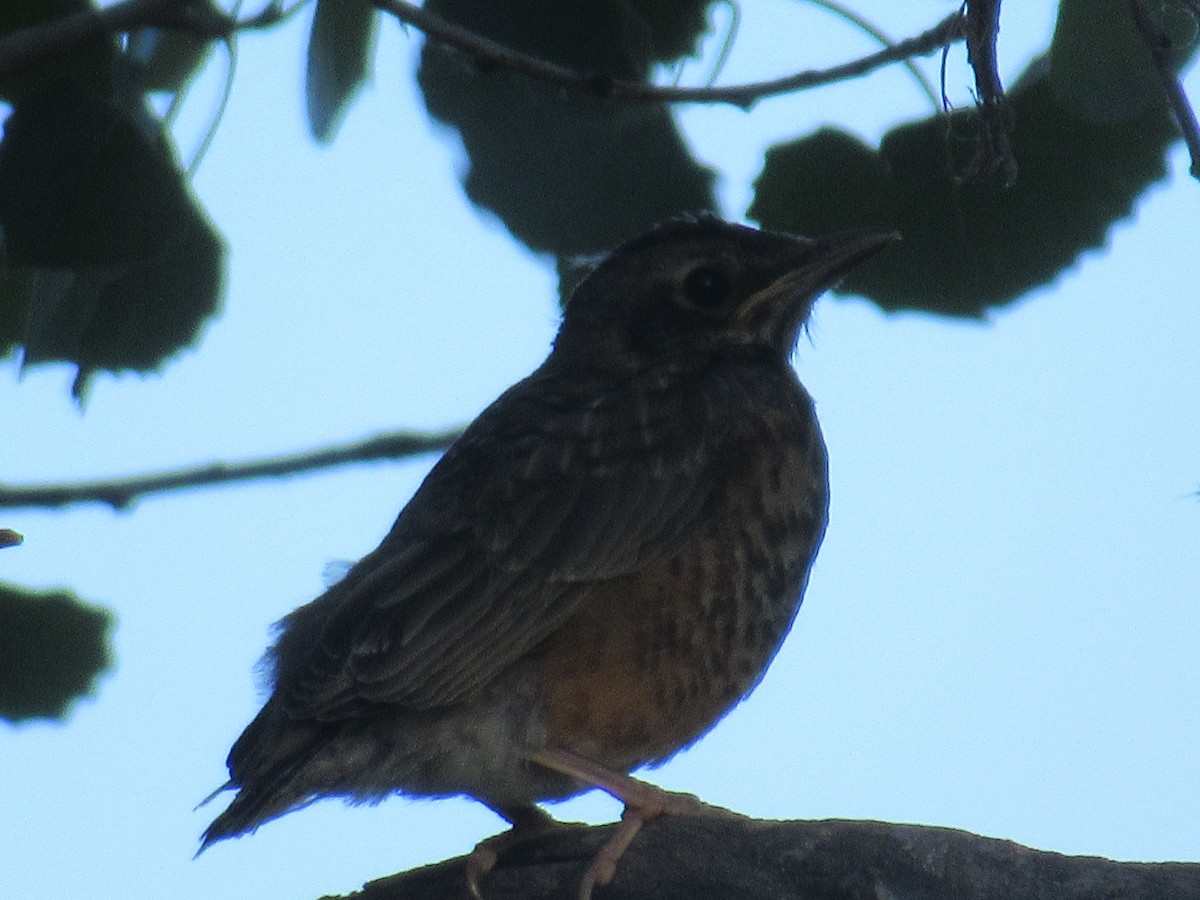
column 693, row 285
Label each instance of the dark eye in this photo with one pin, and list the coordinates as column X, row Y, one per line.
column 706, row 288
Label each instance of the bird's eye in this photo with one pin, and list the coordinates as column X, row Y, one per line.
column 706, row 288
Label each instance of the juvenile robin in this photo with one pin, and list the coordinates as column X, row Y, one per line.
column 595, row 572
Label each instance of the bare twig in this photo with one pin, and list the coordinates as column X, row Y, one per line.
column 1160, row 46
column 993, row 151
column 845, row 12
column 26, row 47
column 34, row 44
column 121, row 492
column 490, row 55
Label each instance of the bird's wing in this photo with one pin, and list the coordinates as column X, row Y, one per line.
column 540, row 498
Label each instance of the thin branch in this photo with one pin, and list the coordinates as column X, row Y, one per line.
column 993, row 151
column 1160, row 46
column 866, row 26
column 121, row 492
column 29, row 46
column 34, row 44
column 489, row 55
column 735, row 24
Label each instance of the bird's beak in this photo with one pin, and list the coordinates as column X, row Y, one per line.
column 816, row 265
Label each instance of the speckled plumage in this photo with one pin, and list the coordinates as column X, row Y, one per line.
column 604, row 563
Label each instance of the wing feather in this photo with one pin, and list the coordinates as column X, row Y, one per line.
column 532, row 505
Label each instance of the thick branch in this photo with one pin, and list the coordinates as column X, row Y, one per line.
column 121, row 492
column 489, row 55
column 676, row 858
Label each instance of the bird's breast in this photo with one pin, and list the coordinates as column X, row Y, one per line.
column 653, row 658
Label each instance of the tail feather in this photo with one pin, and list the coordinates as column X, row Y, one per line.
column 265, row 768
column 227, row 786
column 249, row 809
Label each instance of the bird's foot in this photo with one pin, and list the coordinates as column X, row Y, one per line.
column 643, row 802
column 528, row 823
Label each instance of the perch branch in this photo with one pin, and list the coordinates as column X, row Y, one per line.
column 708, row 858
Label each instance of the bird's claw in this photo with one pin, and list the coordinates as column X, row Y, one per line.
column 481, row 861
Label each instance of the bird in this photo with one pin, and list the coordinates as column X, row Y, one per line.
column 596, row 571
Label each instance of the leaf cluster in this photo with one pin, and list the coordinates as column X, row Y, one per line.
column 109, row 262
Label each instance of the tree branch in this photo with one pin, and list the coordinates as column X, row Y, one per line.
column 489, row 54
column 1160, row 45
column 717, row 858
column 993, row 151
column 29, row 46
column 26, row 47
column 119, row 493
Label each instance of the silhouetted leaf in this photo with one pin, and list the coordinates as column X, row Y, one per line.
column 340, row 47
column 969, row 247
column 111, row 259
column 52, row 648
column 91, row 64
column 166, row 60
column 14, row 294
column 671, row 27
column 1100, row 66
column 567, row 174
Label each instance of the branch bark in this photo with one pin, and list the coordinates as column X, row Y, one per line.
column 490, row 55
column 993, row 151
column 676, row 858
column 119, row 493
column 35, row 44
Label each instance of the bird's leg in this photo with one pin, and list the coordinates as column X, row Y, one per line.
column 643, row 802
column 528, row 822
column 649, row 798
column 604, row 864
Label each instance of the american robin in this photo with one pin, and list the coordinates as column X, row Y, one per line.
column 596, row 571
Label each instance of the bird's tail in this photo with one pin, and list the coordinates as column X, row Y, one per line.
column 265, row 769
column 249, row 809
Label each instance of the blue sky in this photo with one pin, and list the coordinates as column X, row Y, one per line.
column 1002, row 629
